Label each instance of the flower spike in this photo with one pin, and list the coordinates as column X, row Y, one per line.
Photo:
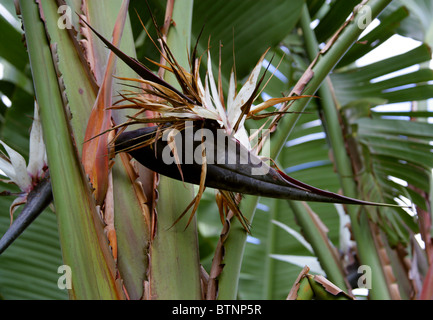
column 238, row 168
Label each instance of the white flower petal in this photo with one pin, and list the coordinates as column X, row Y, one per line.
column 242, row 136
column 20, row 176
column 186, row 115
column 205, row 113
column 7, row 168
column 246, row 91
column 231, row 97
column 215, row 95
column 206, row 96
column 201, row 91
column 37, row 155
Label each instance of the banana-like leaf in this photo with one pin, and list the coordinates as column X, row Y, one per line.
column 359, row 83
column 230, row 24
column 308, row 161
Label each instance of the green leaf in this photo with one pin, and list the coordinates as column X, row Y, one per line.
column 29, row 268
column 381, row 145
column 418, row 26
column 334, row 18
column 357, row 83
column 230, row 23
column 14, row 52
column 387, row 28
column 262, row 276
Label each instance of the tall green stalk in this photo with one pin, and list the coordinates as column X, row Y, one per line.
column 363, row 235
column 320, row 244
column 271, row 244
column 235, row 244
column 81, row 232
column 324, row 65
column 174, row 262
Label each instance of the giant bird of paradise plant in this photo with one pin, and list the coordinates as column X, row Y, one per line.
column 167, row 111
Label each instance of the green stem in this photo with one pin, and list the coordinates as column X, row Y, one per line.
column 331, row 119
column 325, row 64
column 174, row 254
column 234, row 250
column 271, row 245
column 331, row 116
column 320, row 244
column 235, row 244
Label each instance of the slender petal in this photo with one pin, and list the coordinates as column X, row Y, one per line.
column 231, row 95
column 38, row 156
column 17, row 172
column 215, row 94
column 7, row 167
column 245, row 92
